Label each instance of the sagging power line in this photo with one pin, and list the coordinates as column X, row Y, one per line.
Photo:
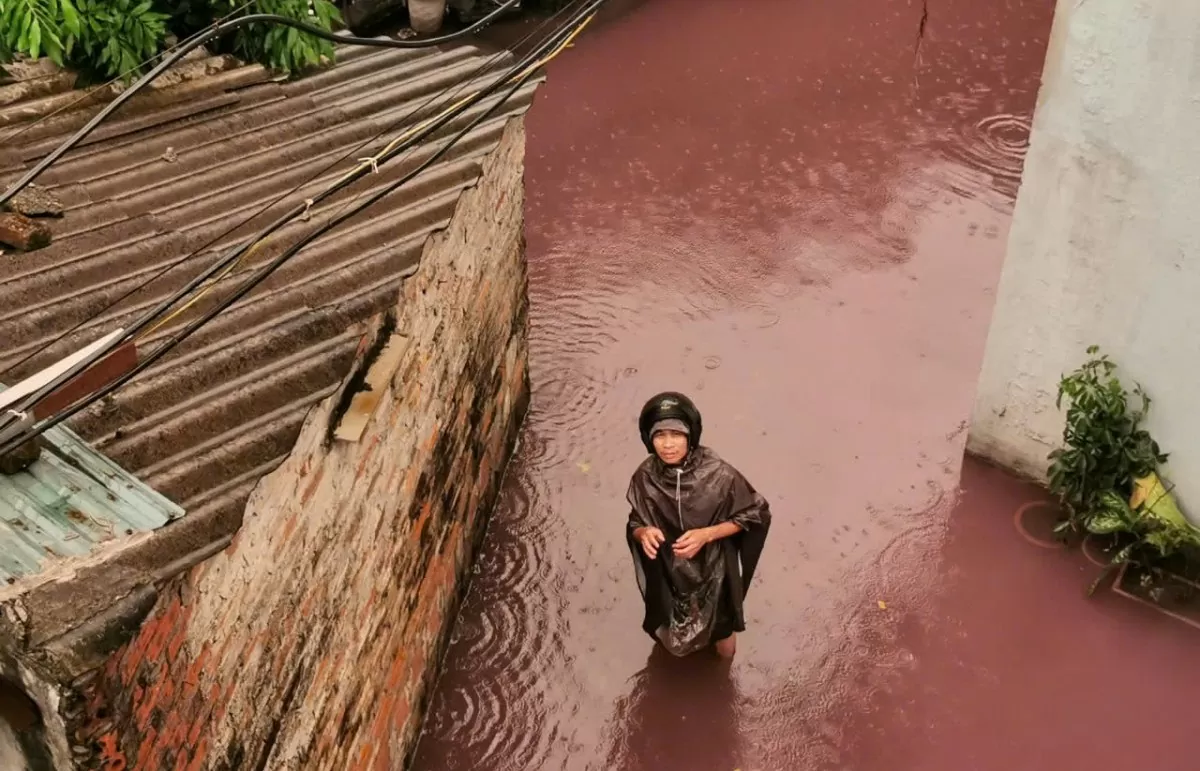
column 517, row 75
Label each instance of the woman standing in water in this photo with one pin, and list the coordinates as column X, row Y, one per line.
column 696, row 530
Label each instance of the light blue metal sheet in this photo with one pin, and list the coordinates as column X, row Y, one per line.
column 69, row 502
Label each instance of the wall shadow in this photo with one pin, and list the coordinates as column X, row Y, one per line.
column 22, row 736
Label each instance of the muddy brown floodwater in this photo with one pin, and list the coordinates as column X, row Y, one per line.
column 796, row 212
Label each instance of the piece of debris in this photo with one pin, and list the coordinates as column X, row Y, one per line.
column 35, row 201
column 170, row 156
column 23, row 233
column 21, row 458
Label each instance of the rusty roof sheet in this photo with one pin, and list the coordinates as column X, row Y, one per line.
column 68, row 502
column 176, row 169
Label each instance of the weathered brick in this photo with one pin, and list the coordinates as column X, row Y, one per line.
column 309, row 642
column 21, row 232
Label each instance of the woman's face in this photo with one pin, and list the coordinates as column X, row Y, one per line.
column 670, row 446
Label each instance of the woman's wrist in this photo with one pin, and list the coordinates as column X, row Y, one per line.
column 723, row 530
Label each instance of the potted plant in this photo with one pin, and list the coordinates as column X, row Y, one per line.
column 1106, row 474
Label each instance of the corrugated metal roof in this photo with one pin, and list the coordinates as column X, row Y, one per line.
column 207, row 422
column 68, row 502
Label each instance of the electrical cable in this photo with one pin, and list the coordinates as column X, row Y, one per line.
column 365, row 164
column 86, row 95
column 271, row 267
column 32, row 399
column 554, row 47
column 483, row 68
column 214, row 32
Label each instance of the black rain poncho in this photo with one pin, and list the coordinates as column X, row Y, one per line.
column 691, row 604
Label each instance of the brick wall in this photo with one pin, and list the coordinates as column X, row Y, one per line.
column 311, row 641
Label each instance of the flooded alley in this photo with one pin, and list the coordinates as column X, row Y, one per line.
column 795, row 212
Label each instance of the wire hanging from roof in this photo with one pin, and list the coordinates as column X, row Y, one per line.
column 473, row 76
column 519, row 75
column 212, row 33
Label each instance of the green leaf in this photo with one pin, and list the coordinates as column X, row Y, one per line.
column 34, row 42
column 23, row 35
column 1163, row 542
column 1106, row 523
column 70, row 17
column 1122, row 556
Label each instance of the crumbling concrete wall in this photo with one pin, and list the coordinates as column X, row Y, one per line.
column 310, row 642
column 1105, row 241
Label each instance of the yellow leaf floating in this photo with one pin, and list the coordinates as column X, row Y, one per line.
column 882, row 605
column 584, row 466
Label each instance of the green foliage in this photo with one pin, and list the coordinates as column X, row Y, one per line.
column 284, row 48
column 117, row 37
column 1105, row 475
column 1145, row 538
column 110, row 38
column 1106, row 448
column 37, row 28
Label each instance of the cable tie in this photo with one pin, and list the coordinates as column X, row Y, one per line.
column 308, row 204
column 373, row 162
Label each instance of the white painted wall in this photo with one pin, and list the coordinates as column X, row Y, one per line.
column 1105, row 242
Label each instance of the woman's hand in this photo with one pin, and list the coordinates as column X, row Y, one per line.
column 650, row 538
column 691, row 542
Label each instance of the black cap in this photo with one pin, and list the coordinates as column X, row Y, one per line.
column 670, row 405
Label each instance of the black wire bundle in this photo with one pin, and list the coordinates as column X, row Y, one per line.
column 351, row 152
column 517, row 76
column 216, row 31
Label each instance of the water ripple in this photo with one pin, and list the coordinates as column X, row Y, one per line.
column 715, row 255
column 995, row 147
column 509, row 630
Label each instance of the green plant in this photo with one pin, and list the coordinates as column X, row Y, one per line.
column 284, row 48
column 116, row 37
column 36, row 28
column 1153, row 539
column 1106, row 475
column 1106, row 449
column 107, row 38
column 1143, row 537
